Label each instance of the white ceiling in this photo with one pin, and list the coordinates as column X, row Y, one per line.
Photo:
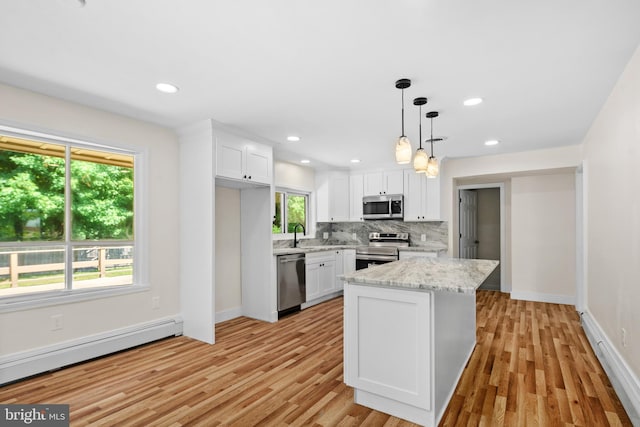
column 325, row 70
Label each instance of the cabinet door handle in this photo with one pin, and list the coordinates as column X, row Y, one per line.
column 245, row 177
column 249, row 176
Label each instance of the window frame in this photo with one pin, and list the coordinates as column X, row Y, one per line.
column 286, row 191
column 140, row 246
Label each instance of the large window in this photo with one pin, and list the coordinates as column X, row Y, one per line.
column 291, row 210
column 66, row 217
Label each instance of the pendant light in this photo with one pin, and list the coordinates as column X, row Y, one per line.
column 421, row 159
column 432, row 163
column 403, row 146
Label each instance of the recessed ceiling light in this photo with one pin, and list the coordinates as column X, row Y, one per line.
column 167, row 87
column 293, row 138
column 355, row 160
column 472, row 101
column 305, row 161
column 491, row 142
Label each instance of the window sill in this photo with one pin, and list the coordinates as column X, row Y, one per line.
column 47, row 299
column 289, row 236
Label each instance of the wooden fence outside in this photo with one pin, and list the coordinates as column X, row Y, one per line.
column 100, row 263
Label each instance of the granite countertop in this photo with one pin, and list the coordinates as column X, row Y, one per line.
column 309, row 249
column 426, row 274
column 428, row 247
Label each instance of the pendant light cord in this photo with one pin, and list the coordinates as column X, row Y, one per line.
column 431, row 136
column 402, row 112
column 420, row 126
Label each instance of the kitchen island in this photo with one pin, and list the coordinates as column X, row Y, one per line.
column 409, row 330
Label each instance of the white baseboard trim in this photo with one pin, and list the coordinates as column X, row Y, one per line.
column 321, row 299
column 20, row 365
column 538, row 297
column 228, row 314
column 624, row 381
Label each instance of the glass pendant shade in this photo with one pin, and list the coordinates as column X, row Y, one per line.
column 403, row 151
column 432, row 167
column 420, row 161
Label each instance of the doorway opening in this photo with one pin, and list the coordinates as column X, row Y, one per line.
column 481, row 228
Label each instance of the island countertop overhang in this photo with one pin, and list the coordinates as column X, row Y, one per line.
column 426, row 274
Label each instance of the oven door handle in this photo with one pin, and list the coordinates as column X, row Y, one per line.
column 375, row 258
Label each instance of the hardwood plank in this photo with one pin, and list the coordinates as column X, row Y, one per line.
column 532, row 365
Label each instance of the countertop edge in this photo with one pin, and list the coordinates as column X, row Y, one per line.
column 397, row 275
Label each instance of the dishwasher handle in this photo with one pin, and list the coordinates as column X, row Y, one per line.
column 282, row 259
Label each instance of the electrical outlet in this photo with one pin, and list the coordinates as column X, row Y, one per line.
column 56, row 322
column 325, row 235
column 155, row 303
column 354, row 236
column 624, row 337
column 423, row 237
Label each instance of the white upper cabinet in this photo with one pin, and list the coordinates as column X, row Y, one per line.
column 421, row 197
column 339, row 198
column 240, row 159
column 433, row 199
column 356, row 185
column 332, row 197
column 259, row 159
column 377, row 183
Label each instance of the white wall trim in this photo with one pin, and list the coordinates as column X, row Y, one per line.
column 538, row 297
column 20, row 365
column 624, row 381
column 228, row 314
column 321, row 299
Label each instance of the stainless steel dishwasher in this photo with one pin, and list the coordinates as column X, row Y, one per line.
column 292, row 289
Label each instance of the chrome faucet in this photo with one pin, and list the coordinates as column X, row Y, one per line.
column 295, row 234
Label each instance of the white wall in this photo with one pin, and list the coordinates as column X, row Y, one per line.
column 292, row 176
column 30, row 329
column 228, row 266
column 543, row 238
column 497, row 168
column 197, row 230
column 500, row 169
column 612, row 154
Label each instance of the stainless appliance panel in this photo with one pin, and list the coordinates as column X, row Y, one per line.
column 366, row 263
column 383, row 248
column 383, row 206
column 292, row 291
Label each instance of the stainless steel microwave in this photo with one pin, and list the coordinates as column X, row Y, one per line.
column 389, row 206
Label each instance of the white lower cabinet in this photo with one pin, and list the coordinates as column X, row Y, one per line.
column 345, row 263
column 388, row 345
column 405, row 350
column 312, row 273
column 327, row 277
column 322, row 270
column 339, row 269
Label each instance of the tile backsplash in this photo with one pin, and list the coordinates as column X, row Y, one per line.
column 342, row 233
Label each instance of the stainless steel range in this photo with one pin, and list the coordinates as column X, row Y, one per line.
column 383, row 248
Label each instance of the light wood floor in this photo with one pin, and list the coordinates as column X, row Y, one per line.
column 532, row 366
